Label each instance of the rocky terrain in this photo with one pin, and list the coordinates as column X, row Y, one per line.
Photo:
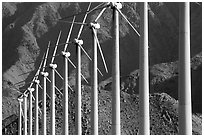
column 27, row 28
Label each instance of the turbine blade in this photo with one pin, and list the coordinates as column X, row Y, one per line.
column 48, row 96
column 70, row 87
column 31, row 83
column 22, row 113
column 70, row 31
column 55, row 50
column 25, row 91
column 33, row 97
column 101, row 52
column 59, row 74
column 81, row 28
column 100, row 72
column 99, row 15
column 71, row 62
column 55, row 86
column 46, row 57
column 38, row 71
column 48, row 79
column 81, row 13
column 64, row 43
column 62, row 78
column 58, row 90
column 95, row 8
column 85, row 52
column 128, row 22
column 39, row 110
column 40, row 86
column 75, row 66
column 71, row 22
column 84, row 78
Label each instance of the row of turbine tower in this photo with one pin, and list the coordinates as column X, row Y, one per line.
column 185, row 118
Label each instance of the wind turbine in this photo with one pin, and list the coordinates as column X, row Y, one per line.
column 116, row 72
column 37, row 84
column 79, row 43
column 30, row 90
column 94, row 78
column 65, row 95
column 94, row 83
column 115, row 65
column 78, row 78
column 94, row 97
column 53, row 69
column 45, row 75
column 79, row 47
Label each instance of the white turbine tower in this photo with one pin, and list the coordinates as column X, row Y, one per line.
column 94, row 83
column 65, row 93
column 36, row 125
column 30, row 110
column 116, row 72
column 78, row 78
column 144, row 72
column 185, row 112
column 45, row 75
column 20, row 100
column 25, row 127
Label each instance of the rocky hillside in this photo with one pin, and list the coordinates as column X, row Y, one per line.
column 163, row 115
column 27, row 28
column 164, row 78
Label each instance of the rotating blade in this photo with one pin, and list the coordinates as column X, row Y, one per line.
column 43, row 69
column 81, row 28
column 70, row 31
column 85, row 52
column 71, row 22
column 128, row 22
column 55, row 50
column 101, row 52
column 99, row 15
column 37, row 73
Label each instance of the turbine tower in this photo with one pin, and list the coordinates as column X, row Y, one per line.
column 144, row 72
column 116, row 72
column 185, row 113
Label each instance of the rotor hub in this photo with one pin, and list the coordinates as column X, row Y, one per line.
column 77, row 41
column 66, row 54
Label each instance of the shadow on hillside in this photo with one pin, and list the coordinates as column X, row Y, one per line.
column 13, row 33
column 170, row 86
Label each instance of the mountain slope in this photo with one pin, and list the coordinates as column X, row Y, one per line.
column 163, row 114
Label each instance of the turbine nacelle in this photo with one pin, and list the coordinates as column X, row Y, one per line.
column 25, row 95
column 79, row 42
column 117, row 5
column 45, row 74
column 66, row 54
column 54, row 66
column 20, row 99
column 31, row 89
column 37, row 81
column 95, row 25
